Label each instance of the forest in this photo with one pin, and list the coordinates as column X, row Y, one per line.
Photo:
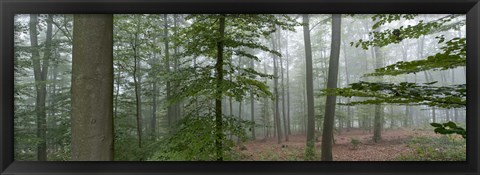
column 240, row 87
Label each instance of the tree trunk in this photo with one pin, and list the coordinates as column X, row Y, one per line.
column 285, row 124
column 310, row 145
column 275, row 87
column 92, row 88
column 219, row 92
column 170, row 108
column 329, row 119
column 288, row 87
column 347, row 79
column 392, row 122
column 153, row 120
column 40, row 75
column 137, row 87
column 252, row 104
column 177, row 111
column 378, row 120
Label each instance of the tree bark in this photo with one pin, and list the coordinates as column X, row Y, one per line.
column 288, row 87
column 378, row 120
column 219, row 93
column 328, row 123
column 310, row 145
column 137, row 87
column 170, row 108
column 285, row 123
column 347, row 79
column 153, row 120
column 40, row 75
column 92, row 88
column 275, row 87
column 252, row 104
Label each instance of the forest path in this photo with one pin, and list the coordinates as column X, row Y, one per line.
column 393, row 144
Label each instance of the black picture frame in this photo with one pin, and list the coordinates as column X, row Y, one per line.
column 8, row 8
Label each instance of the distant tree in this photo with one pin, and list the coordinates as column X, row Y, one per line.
column 40, row 68
column 452, row 54
column 217, row 38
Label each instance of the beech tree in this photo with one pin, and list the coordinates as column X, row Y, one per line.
column 328, row 123
column 92, row 88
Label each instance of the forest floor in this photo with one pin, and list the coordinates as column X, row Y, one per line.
column 393, row 144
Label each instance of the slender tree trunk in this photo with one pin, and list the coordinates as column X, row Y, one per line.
column 117, row 91
column 239, row 116
column 305, row 106
column 407, row 108
column 177, row 111
column 288, row 87
column 53, row 101
column 275, row 87
column 455, row 110
column 153, row 121
column 310, row 145
column 230, row 102
column 218, row 98
column 40, row 75
column 170, row 108
column 138, row 99
column 379, row 111
column 328, row 123
column 266, row 116
column 347, row 79
column 92, row 88
column 285, row 124
column 252, row 104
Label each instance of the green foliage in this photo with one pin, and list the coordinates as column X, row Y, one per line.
column 388, row 18
column 243, row 34
column 395, row 36
column 404, row 93
column 242, row 31
column 449, row 128
column 310, row 154
column 354, row 143
column 195, row 136
column 453, row 55
column 57, row 105
column 435, row 149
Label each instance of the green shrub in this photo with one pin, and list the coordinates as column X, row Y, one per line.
column 436, row 149
column 354, row 143
column 195, row 137
column 310, row 151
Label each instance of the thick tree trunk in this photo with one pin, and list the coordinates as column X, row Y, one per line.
column 219, row 93
column 328, row 123
column 92, row 88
